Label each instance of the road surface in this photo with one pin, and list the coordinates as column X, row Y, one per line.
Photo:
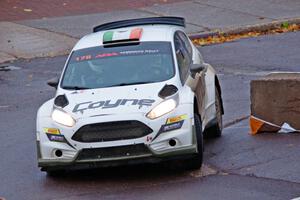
column 236, row 166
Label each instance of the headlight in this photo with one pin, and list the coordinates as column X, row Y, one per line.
column 162, row 109
column 63, row 118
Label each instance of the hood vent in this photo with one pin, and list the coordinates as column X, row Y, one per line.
column 167, row 90
column 61, row 101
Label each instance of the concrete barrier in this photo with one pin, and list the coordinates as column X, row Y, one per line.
column 275, row 100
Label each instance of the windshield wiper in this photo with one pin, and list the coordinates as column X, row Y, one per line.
column 133, row 83
column 75, row 88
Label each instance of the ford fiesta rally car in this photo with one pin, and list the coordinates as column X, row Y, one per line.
column 133, row 91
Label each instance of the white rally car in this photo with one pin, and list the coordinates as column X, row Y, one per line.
column 132, row 91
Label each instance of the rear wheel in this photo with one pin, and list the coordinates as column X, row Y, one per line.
column 196, row 162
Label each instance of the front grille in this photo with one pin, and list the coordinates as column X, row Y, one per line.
column 110, row 131
column 113, row 152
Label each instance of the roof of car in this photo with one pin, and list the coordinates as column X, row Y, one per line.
column 155, row 32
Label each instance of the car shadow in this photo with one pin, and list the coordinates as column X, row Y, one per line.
column 139, row 172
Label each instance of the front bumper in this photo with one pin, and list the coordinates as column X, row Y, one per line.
column 53, row 164
column 156, row 145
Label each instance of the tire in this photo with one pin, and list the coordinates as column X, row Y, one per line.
column 196, row 161
column 216, row 130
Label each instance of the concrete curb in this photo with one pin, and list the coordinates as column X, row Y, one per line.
column 20, row 41
column 217, row 32
column 245, row 29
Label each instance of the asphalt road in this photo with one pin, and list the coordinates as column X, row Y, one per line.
column 240, row 166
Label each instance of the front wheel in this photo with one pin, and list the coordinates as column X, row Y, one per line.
column 216, row 130
column 196, row 161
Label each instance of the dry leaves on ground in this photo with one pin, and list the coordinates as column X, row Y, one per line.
column 221, row 37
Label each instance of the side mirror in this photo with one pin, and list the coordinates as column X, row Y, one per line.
column 195, row 68
column 53, row 82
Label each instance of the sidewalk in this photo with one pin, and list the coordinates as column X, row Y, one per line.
column 56, row 35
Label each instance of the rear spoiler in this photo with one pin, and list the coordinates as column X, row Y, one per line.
column 177, row 21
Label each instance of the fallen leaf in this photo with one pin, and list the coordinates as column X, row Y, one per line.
column 27, row 10
column 285, row 25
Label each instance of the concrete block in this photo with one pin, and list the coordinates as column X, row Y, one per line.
column 275, row 98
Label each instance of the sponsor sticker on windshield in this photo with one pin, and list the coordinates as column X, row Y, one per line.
column 101, row 52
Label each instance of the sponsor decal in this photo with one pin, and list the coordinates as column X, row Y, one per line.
column 56, row 138
column 176, row 119
column 83, row 58
column 171, row 126
column 54, row 134
column 149, row 139
column 53, row 131
column 133, row 34
column 80, row 107
column 102, row 55
column 100, row 52
column 142, row 51
column 111, row 54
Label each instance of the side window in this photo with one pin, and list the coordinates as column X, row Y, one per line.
column 186, row 43
column 182, row 56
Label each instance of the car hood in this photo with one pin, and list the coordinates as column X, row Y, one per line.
column 114, row 100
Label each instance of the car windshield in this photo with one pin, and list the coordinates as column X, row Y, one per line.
column 99, row 67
